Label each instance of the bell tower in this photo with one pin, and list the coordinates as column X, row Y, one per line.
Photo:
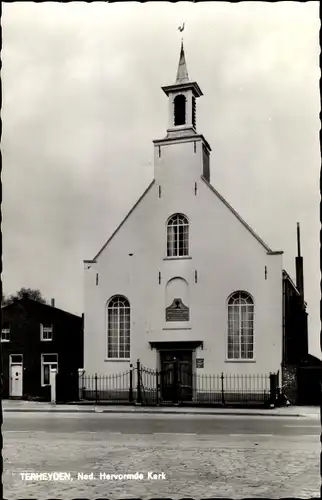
column 182, row 101
column 183, row 153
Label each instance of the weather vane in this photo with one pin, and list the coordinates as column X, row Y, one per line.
column 181, row 28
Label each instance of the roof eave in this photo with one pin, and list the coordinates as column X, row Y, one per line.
column 288, row 278
column 183, row 86
column 267, row 248
column 41, row 304
column 188, row 138
column 121, row 224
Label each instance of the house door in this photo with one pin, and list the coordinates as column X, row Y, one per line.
column 176, row 376
column 16, row 380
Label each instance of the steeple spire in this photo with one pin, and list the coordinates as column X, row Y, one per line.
column 182, row 73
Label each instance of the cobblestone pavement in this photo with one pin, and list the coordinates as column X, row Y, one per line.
column 194, row 466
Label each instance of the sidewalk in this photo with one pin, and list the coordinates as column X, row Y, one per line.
column 31, row 406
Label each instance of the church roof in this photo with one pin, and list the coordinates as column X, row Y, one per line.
column 121, row 224
column 267, row 248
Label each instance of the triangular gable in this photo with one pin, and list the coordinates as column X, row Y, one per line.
column 121, row 224
column 267, row 248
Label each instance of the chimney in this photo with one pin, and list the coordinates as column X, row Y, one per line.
column 299, row 265
column 52, row 302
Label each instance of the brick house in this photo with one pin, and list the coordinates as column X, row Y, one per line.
column 34, row 338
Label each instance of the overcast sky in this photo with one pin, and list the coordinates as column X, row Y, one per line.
column 82, row 102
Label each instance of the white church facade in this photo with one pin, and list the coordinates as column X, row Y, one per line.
column 183, row 276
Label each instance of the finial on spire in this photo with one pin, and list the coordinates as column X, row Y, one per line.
column 182, row 73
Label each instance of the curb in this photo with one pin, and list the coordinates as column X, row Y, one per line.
column 242, row 414
column 48, row 410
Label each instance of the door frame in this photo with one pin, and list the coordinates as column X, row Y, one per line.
column 176, row 350
column 11, row 364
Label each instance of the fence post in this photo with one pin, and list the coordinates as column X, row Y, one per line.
column 131, row 384
column 273, row 388
column 81, row 387
column 222, row 389
column 278, row 389
column 138, row 385
column 157, row 387
column 96, row 395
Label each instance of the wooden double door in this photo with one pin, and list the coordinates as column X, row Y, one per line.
column 176, row 376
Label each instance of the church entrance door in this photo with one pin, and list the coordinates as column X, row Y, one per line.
column 176, row 376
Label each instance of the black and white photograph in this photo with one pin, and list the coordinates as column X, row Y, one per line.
column 160, row 332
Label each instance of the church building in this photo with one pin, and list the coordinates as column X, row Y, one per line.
column 184, row 276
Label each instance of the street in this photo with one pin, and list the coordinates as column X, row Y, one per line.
column 177, row 455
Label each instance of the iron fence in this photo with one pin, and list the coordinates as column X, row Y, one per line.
column 113, row 388
column 142, row 385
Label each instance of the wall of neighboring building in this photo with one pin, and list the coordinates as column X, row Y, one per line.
column 225, row 255
column 24, row 318
column 295, row 325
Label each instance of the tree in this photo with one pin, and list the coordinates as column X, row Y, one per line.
column 32, row 294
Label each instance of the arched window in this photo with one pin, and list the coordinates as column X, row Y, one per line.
column 179, row 110
column 178, row 236
column 118, row 328
column 240, row 326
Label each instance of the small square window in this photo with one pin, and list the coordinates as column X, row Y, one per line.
column 46, row 332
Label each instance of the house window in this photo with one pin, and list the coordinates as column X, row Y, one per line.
column 118, row 326
column 240, row 326
column 48, row 361
column 179, row 110
column 5, row 333
column 178, row 236
column 46, row 332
